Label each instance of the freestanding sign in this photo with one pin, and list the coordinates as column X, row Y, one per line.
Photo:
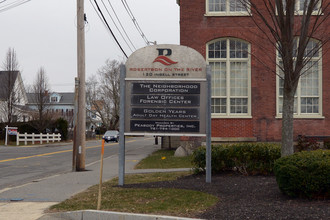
column 165, row 91
column 10, row 131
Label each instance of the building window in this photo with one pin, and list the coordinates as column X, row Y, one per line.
column 300, row 5
column 229, row 60
column 308, row 97
column 53, row 99
column 226, row 7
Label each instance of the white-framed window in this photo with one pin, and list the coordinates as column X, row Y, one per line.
column 226, row 8
column 230, row 62
column 300, row 4
column 53, row 99
column 308, row 97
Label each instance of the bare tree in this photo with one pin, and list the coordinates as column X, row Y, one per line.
column 39, row 96
column 289, row 28
column 94, row 109
column 103, row 94
column 8, row 91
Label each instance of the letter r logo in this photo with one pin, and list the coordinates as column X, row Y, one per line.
column 163, row 58
column 161, row 52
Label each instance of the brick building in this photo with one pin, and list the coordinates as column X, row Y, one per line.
column 246, row 92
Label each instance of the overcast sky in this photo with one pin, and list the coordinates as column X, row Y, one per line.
column 43, row 33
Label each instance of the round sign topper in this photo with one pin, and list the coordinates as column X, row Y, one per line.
column 166, row 61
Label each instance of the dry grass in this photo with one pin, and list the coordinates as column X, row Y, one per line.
column 164, row 201
column 164, row 159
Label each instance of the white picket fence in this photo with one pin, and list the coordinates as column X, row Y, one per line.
column 37, row 138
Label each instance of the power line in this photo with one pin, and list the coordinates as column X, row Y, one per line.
column 12, row 5
column 127, row 8
column 98, row 14
column 114, row 11
column 117, row 26
column 105, row 21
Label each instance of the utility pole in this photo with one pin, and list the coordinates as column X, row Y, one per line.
column 81, row 116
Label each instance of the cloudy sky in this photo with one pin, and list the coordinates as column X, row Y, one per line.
column 43, row 34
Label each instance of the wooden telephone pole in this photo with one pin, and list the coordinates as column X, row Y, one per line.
column 80, row 139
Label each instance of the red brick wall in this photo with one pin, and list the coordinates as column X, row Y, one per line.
column 196, row 30
column 232, row 128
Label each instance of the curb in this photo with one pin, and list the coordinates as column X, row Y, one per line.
column 103, row 215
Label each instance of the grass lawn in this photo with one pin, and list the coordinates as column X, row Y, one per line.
column 163, row 201
column 163, row 159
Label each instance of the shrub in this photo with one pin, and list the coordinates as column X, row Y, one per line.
column 248, row 158
column 256, row 158
column 327, row 144
column 306, row 144
column 219, row 158
column 28, row 128
column 304, row 174
column 62, row 126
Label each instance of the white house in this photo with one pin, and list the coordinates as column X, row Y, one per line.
column 59, row 104
column 12, row 97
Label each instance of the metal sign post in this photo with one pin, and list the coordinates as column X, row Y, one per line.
column 121, row 175
column 208, row 127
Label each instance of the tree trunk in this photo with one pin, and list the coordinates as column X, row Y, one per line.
column 287, row 123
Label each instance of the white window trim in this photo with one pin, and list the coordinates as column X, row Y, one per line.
column 301, row 12
column 225, row 13
column 316, row 12
column 298, row 114
column 53, row 99
column 228, row 114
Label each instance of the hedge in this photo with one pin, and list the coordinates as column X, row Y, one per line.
column 304, row 174
column 248, row 158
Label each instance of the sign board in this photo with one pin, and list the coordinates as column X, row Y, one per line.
column 12, row 131
column 165, row 89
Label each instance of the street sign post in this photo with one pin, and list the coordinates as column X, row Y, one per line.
column 10, row 131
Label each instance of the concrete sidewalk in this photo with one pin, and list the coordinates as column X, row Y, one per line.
column 29, row 201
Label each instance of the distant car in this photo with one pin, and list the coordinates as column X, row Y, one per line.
column 111, row 135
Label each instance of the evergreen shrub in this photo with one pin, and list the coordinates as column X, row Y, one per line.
column 304, row 174
column 62, row 126
column 247, row 158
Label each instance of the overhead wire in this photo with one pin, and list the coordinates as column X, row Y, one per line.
column 114, row 11
column 127, row 8
column 117, row 27
column 98, row 14
column 108, row 27
column 12, row 5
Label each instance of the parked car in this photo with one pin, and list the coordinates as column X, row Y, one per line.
column 111, row 135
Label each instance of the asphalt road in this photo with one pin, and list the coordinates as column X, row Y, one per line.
column 20, row 165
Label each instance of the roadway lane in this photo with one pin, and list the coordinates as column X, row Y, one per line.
column 20, row 165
